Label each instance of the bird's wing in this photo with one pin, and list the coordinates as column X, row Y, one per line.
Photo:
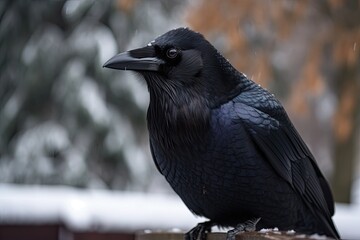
column 277, row 139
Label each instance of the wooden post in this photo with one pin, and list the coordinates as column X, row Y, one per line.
column 270, row 235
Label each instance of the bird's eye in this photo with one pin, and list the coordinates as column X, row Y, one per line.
column 172, row 53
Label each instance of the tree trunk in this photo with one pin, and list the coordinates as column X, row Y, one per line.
column 346, row 127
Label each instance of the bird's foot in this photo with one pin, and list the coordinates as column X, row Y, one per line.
column 199, row 231
column 248, row 226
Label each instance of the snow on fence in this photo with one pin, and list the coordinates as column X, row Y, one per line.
column 85, row 211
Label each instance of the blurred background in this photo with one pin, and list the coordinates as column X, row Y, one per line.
column 74, row 134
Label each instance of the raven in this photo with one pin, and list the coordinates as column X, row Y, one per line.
column 225, row 144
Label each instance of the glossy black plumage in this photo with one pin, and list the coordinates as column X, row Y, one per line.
column 226, row 145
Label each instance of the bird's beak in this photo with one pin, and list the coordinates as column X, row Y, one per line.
column 141, row 59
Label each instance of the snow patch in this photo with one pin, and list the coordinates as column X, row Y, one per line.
column 317, row 236
column 291, row 232
column 93, row 209
column 267, row 230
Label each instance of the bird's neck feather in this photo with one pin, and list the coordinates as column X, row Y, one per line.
column 182, row 122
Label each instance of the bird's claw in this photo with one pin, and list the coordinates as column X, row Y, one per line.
column 199, row 231
column 248, row 226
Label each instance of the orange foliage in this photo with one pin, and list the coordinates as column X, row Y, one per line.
column 126, row 5
column 344, row 120
column 346, row 50
column 311, row 80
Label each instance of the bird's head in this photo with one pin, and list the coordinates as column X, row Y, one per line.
column 182, row 66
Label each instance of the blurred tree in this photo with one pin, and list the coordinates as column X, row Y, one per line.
column 63, row 120
column 307, row 52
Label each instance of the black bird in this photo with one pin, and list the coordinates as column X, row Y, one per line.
column 226, row 145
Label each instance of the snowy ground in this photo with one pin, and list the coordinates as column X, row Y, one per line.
column 106, row 210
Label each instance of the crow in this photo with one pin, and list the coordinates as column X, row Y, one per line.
column 225, row 144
